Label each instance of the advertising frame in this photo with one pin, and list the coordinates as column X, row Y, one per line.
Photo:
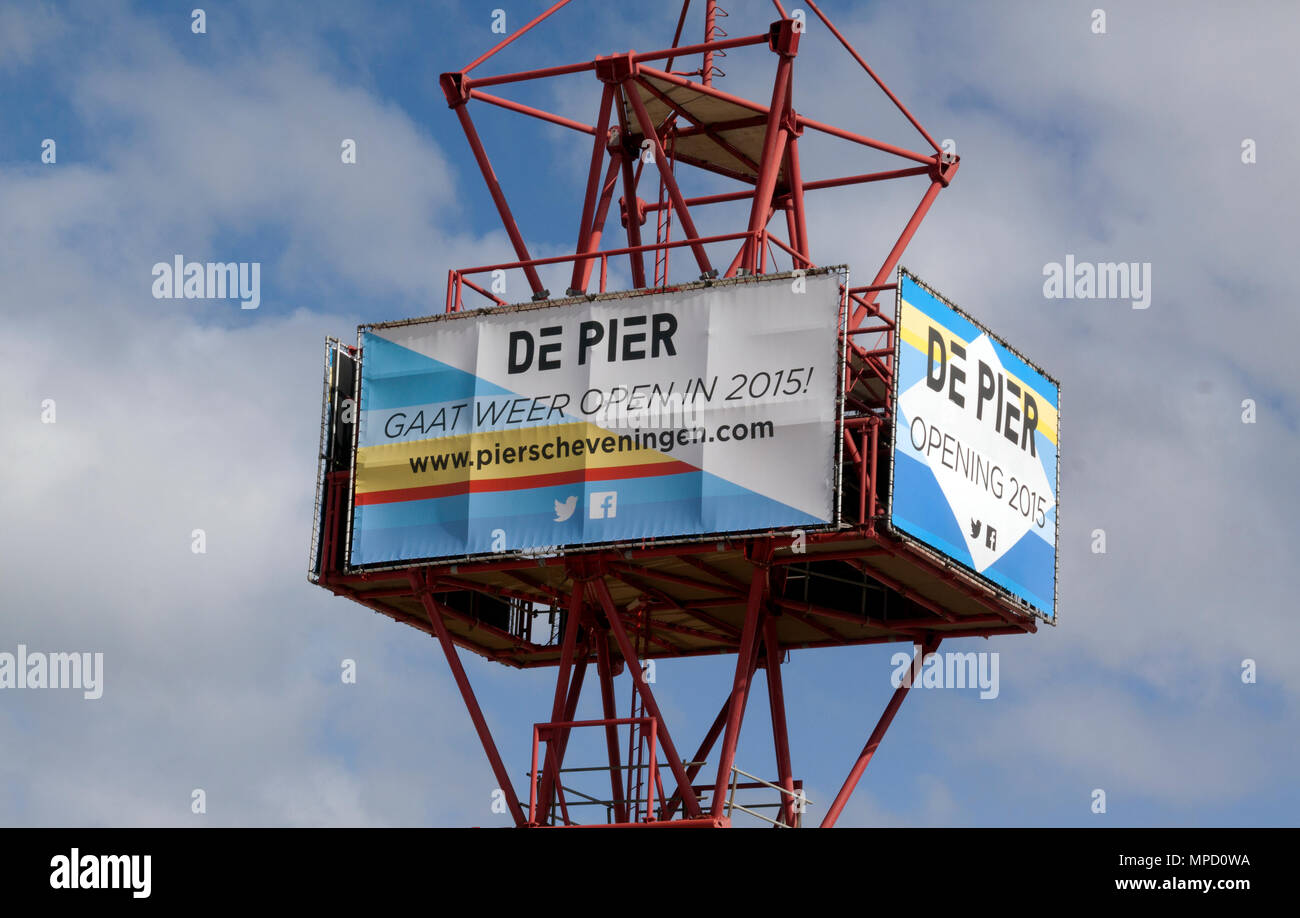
column 591, row 547
column 915, row 542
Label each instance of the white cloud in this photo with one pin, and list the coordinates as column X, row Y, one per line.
column 222, row 669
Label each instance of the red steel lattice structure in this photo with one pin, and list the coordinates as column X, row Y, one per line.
column 756, row 597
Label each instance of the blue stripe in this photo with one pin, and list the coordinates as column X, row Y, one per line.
column 916, row 295
column 393, row 376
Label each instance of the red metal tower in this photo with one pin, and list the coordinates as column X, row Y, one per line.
column 755, row 597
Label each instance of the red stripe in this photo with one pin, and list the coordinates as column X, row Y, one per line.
column 485, row 485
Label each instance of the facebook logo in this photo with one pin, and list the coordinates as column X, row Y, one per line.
column 604, row 505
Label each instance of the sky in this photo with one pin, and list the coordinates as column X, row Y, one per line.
column 129, row 421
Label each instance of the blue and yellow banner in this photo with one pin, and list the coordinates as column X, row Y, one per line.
column 975, row 448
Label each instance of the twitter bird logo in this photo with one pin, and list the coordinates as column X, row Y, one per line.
column 564, row 509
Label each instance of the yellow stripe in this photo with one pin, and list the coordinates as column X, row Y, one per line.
column 387, row 466
column 915, row 330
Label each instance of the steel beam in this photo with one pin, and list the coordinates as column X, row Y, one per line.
column 598, row 147
column 605, row 671
column 431, row 608
column 873, row 742
column 563, row 688
column 780, row 735
column 666, row 174
column 634, row 670
column 740, row 684
column 498, row 197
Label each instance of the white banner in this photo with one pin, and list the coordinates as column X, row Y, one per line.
column 706, row 410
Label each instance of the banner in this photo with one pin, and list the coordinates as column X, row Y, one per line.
column 711, row 409
column 975, row 447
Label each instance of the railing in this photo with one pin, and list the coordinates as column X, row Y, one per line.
column 792, row 802
column 565, row 726
column 609, row 805
column 457, row 280
column 798, row 801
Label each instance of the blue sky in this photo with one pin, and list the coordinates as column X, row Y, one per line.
column 222, row 669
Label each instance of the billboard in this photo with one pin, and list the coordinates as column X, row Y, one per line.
column 711, row 408
column 974, row 448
